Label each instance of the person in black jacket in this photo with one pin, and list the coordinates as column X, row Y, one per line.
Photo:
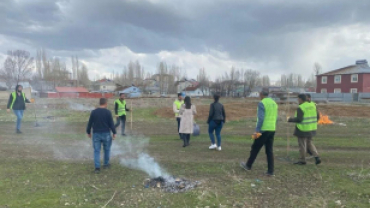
column 216, row 120
column 17, row 102
column 101, row 121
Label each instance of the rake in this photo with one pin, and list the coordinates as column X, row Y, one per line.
column 34, row 109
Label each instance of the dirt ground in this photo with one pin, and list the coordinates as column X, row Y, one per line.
column 238, row 111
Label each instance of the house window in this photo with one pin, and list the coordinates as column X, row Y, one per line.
column 354, row 78
column 324, row 80
column 353, row 90
column 337, row 79
column 337, row 90
column 324, row 90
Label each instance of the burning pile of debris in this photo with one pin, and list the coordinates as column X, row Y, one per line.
column 324, row 119
column 171, row 184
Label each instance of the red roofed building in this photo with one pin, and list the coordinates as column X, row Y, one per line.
column 71, row 92
column 350, row 79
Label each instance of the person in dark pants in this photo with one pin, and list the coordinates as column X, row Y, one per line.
column 216, row 120
column 267, row 113
column 101, row 121
column 176, row 109
column 308, row 96
column 120, row 109
column 17, row 102
column 187, row 112
column 306, row 125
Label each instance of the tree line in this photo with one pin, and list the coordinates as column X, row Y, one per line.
column 19, row 66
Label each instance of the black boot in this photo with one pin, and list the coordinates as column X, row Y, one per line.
column 318, row 161
column 18, row 131
column 187, row 141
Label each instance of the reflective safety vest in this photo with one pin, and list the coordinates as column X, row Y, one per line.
column 309, row 122
column 271, row 114
column 121, row 107
column 14, row 95
column 178, row 104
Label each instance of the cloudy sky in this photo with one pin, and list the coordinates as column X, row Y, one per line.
column 272, row 36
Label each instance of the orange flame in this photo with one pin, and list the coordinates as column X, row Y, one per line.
column 324, row 119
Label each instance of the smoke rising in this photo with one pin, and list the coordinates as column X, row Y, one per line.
column 80, row 107
column 131, row 151
column 132, row 154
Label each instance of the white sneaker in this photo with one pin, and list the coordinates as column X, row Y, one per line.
column 219, row 148
column 213, row 146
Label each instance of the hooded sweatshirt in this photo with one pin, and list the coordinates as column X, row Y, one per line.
column 19, row 103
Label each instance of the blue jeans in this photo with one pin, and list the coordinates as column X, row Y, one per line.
column 214, row 127
column 99, row 139
column 19, row 114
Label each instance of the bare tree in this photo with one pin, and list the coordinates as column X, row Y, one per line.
column 284, row 80
column 203, row 80
column 252, row 78
column 83, row 76
column 162, row 73
column 17, row 67
column 266, row 81
column 301, row 82
column 317, row 69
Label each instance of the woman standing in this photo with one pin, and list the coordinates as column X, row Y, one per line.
column 187, row 112
column 216, row 120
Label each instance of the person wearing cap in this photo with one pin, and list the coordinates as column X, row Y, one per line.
column 176, row 109
column 267, row 114
column 306, row 125
column 17, row 102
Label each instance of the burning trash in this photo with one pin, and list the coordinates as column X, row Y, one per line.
column 324, row 119
column 171, row 184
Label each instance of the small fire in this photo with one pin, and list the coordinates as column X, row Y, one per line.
column 324, row 119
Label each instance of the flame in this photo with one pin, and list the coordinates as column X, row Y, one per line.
column 324, row 119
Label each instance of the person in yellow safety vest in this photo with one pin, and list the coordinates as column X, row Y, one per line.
column 267, row 114
column 17, row 102
column 176, row 109
column 120, row 109
column 306, row 125
column 308, row 96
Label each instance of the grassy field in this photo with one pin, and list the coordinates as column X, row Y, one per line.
column 51, row 166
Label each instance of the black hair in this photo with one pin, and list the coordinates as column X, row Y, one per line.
column 103, row 101
column 16, row 87
column 121, row 94
column 216, row 97
column 187, row 102
column 265, row 91
column 179, row 94
column 308, row 95
column 302, row 97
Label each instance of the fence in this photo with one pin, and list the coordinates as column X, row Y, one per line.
column 332, row 97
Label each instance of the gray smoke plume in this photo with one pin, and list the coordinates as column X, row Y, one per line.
column 132, row 154
column 80, row 107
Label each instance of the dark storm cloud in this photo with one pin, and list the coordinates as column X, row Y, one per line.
column 254, row 29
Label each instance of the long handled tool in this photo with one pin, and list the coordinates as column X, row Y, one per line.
column 34, row 109
column 131, row 115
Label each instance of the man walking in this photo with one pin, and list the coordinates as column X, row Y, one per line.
column 267, row 113
column 308, row 97
column 101, row 121
column 306, row 119
column 176, row 109
column 120, row 109
column 17, row 102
